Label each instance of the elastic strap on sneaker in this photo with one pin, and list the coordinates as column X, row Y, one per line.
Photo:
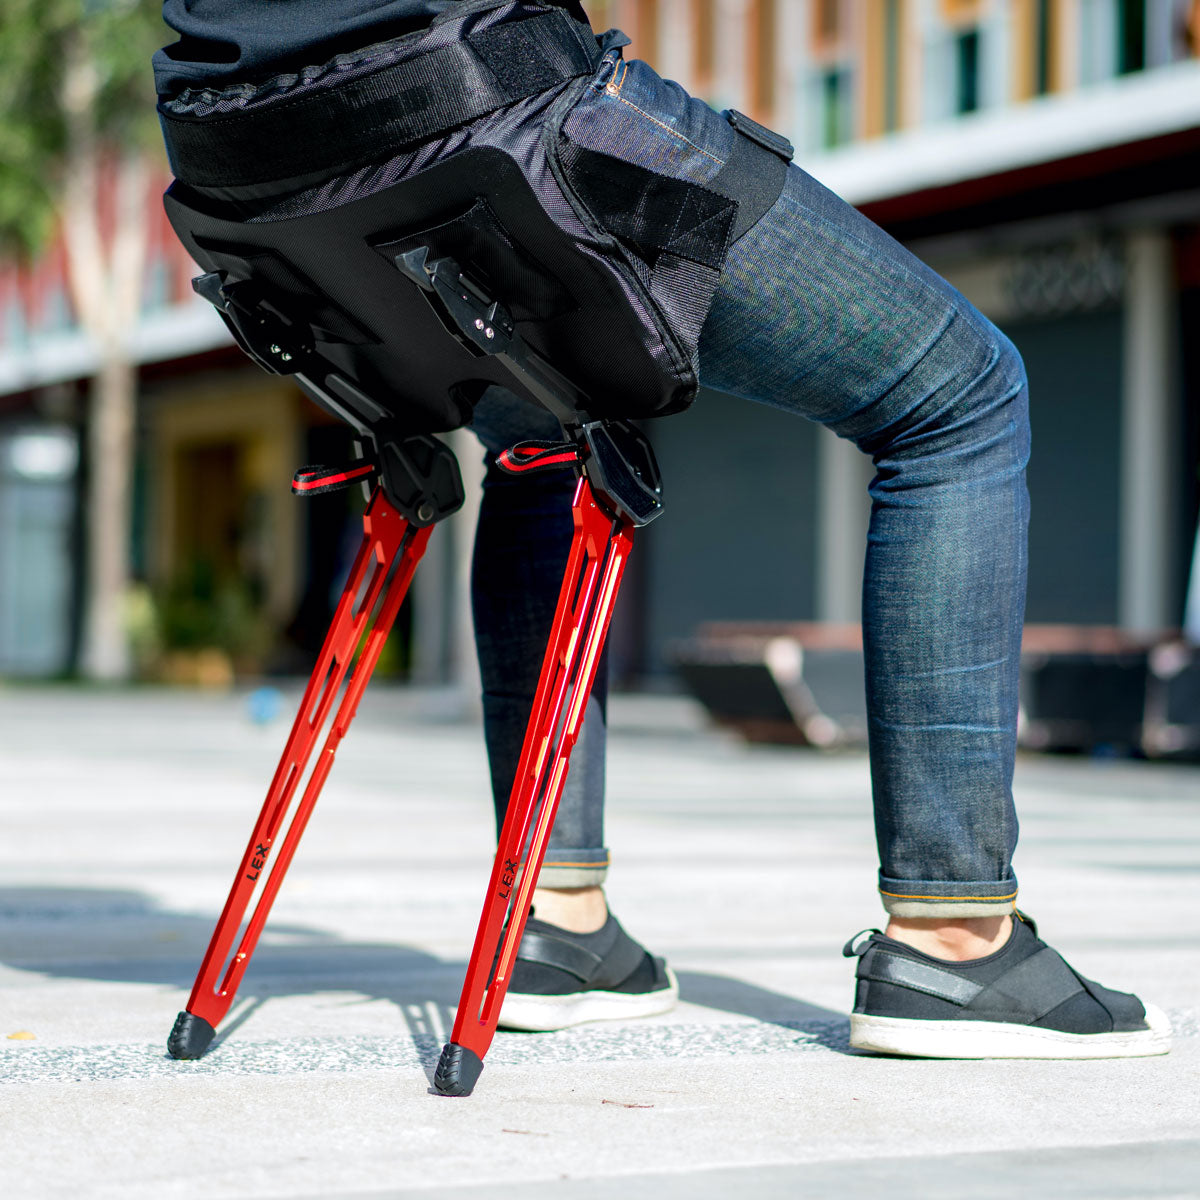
column 560, row 950
column 1035, row 986
column 1029, row 990
column 550, row 951
column 920, row 977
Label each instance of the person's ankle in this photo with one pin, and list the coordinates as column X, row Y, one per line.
column 954, row 940
column 579, row 910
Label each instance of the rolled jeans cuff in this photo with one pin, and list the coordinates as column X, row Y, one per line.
column 573, row 868
column 929, row 898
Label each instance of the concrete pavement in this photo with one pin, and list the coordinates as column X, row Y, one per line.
column 123, row 816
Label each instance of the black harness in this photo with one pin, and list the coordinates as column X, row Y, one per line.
column 361, row 107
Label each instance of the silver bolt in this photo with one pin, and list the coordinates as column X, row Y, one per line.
column 478, row 323
column 491, row 333
column 275, row 349
column 286, row 357
column 425, row 512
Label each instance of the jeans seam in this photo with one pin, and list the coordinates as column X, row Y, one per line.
column 663, row 125
column 904, row 896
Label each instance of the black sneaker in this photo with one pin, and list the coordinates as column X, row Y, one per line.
column 1023, row 1001
column 562, row 978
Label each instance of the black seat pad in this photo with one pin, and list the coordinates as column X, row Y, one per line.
column 334, row 271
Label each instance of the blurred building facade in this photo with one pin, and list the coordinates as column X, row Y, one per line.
column 215, row 437
column 1044, row 155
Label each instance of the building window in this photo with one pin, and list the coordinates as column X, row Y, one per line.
column 831, row 81
column 892, row 26
column 836, row 93
column 1035, row 28
column 1131, row 36
column 1043, row 46
column 966, row 71
column 883, row 66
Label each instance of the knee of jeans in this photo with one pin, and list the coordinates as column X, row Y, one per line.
column 966, row 413
column 1014, row 392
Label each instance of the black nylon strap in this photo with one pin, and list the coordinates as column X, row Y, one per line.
column 369, row 117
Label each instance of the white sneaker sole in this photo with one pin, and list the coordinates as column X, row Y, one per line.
column 997, row 1039
column 541, row 1014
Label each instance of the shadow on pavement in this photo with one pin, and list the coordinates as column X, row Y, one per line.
column 122, row 936
column 827, row 1027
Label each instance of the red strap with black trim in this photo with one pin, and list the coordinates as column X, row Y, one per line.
column 315, row 481
column 526, row 457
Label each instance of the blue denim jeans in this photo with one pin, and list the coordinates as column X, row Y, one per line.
column 821, row 314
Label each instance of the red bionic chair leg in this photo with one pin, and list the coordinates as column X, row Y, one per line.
column 368, row 607
column 597, row 560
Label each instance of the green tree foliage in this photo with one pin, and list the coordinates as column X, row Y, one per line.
column 111, row 41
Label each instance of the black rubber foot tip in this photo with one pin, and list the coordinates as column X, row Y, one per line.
column 458, row 1070
column 191, row 1036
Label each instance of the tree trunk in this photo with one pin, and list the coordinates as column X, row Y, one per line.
column 105, row 651
column 106, row 287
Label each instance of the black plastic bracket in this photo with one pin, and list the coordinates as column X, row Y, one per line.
column 419, row 474
column 190, row 1036
column 420, row 477
column 484, row 326
column 277, row 343
column 619, row 461
column 621, row 467
column 458, row 1071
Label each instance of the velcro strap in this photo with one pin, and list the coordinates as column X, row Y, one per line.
column 558, row 952
column 373, row 116
column 1034, row 987
column 527, row 457
column 754, row 175
column 315, row 481
column 655, row 212
column 921, row 977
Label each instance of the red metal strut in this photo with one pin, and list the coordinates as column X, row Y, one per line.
column 379, row 580
column 604, row 520
column 599, row 552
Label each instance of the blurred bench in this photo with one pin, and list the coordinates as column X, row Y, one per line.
column 1084, row 688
